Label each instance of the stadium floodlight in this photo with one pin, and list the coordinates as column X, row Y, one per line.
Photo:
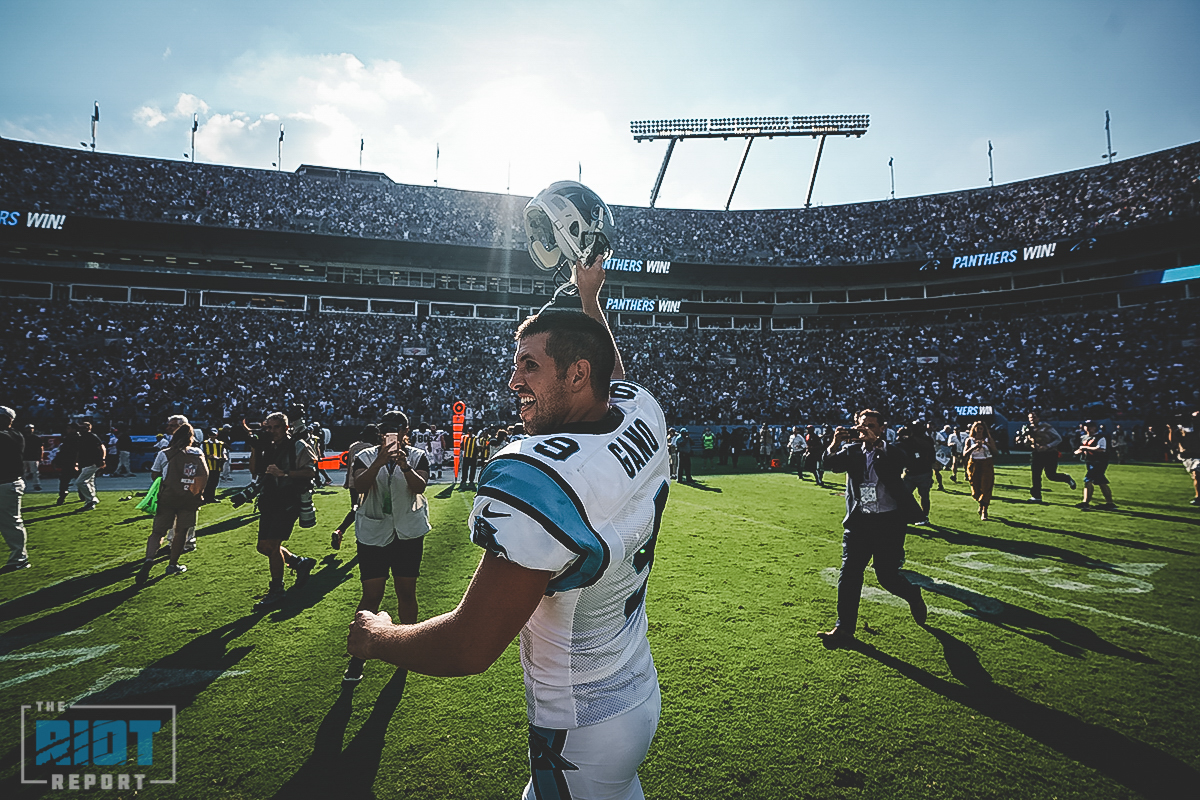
column 750, row 128
column 1108, row 133
column 95, row 122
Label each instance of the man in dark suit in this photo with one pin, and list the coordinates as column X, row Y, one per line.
column 878, row 510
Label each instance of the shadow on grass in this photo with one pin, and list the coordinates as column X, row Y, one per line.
column 72, row 617
column 1136, row 765
column 226, row 525
column 1015, row 546
column 67, row 591
column 179, row 678
column 1125, row 512
column 444, row 493
column 1092, row 537
column 176, row 679
column 332, row 574
column 1060, row 634
column 347, row 774
column 74, row 512
column 695, row 484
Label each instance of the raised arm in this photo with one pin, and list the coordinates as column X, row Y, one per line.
column 590, row 280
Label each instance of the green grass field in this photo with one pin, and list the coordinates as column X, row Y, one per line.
column 1060, row 660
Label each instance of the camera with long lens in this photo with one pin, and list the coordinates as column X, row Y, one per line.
column 240, row 498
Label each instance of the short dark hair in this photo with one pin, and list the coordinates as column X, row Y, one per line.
column 393, row 421
column 870, row 412
column 575, row 336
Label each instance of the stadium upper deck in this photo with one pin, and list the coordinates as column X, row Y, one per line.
column 39, row 179
column 123, row 228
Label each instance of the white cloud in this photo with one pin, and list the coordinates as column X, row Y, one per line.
column 189, row 104
column 166, row 54
column 149, row 116
column 220, row 139
column 328, row 102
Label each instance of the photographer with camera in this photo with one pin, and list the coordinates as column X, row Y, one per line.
column 878, row 510
column 184, row 476
column 284, row 468
column 918, row 475
column 391, row 522
column 1043, row 440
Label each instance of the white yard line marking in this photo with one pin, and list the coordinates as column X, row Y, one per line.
column 1049, row 599
column 154, row 679
column 80, row 654
column 10, row 643
column 877, row 595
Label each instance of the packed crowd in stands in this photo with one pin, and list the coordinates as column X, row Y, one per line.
column 1149, row 189
column 137, row 363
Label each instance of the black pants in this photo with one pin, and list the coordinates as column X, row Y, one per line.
column 468, row 471
column 816, row 466
column 878, row 536
column 65, row 476
column 214, row 478
column 1045, row 461
column 685, row 467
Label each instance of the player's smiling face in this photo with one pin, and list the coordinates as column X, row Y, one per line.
column 542, row 396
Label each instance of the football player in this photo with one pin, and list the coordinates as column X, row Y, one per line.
column 568, row 519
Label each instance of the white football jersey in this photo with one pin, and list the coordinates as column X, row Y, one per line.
column 584, row 503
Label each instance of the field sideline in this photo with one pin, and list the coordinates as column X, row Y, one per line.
column 1059, row 662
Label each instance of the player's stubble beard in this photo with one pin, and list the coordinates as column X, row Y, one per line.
column 549, row 411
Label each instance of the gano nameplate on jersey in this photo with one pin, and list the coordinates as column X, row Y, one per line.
column 634, row 447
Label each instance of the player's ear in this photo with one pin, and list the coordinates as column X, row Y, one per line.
column 580, row 375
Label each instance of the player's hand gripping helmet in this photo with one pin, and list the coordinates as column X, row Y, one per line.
column 567, row 222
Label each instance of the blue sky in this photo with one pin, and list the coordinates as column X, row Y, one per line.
column 517, row 94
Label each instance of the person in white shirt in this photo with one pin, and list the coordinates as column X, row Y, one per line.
column 1095, row 452
column 391, row 521
column 955, row 440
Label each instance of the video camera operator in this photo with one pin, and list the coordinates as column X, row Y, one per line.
column 878, row 510
column 284, row 468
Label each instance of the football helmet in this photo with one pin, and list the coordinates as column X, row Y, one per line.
column 567, row 222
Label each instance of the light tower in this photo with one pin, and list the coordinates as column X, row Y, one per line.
column 1108, row 134
column 750, row 128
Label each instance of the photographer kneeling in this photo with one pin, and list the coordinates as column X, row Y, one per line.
column 284, row 468
column 391, row 521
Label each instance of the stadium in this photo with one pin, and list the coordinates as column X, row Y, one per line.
column 1059, row 660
